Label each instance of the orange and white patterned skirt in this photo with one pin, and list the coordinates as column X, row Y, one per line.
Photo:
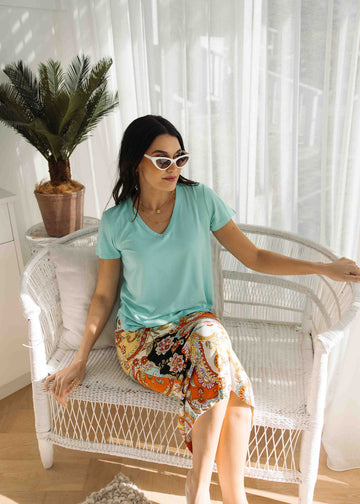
column 191, row 359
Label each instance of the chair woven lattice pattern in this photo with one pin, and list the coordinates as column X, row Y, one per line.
column 282, row 329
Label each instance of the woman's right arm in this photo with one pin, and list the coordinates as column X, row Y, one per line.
column 101, row 306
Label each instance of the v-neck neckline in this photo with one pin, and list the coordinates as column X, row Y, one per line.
column 172, row 218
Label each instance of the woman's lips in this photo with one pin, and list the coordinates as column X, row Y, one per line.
column 170, row 179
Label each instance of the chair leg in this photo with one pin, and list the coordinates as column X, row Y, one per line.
column 42, row 423
column 46, row 450
column 311, row 440
column 309, row 467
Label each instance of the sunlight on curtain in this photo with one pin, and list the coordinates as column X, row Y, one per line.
column 259, row 91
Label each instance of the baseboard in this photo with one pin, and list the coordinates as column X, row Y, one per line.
column 15, row 385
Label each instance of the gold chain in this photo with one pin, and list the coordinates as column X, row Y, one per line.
column 157, row 222
column 158, row 209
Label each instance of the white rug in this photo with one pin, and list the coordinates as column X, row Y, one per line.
column 119, row 491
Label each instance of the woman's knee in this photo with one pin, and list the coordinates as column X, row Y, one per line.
column 211, row 331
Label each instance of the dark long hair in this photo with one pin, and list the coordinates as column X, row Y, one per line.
column 137, row 138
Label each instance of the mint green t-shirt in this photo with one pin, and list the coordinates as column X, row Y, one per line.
column 167, row 275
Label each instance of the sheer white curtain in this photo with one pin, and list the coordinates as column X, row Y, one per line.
column 266, row 95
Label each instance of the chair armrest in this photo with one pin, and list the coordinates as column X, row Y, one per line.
column 38, row 360
column 37, row 346
column 332, row 337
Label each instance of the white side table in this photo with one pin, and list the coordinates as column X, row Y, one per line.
column 14, row 358
column 37, row 237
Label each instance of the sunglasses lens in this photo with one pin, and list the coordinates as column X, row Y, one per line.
column 163, row 163
column 182, row 161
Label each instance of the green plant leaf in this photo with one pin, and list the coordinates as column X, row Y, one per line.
column 82, row 94
column 26, row 84
column 80, row 129
column 76, row 106
column 34, row 139
column 13, row 106
column 97, row 76
column 99, row 106
column 55, row 141
column 76, row 73
column 51, row 78
column 53, row 93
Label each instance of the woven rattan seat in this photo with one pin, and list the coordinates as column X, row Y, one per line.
column 282, row 328
column 283, row 348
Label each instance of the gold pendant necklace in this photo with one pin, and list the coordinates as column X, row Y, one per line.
column 157, row 211
column 155, row 221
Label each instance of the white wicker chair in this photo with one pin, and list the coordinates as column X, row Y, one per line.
column 282, row 328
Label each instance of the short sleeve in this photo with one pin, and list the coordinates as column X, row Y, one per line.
column 219, row 212
column 105, row 247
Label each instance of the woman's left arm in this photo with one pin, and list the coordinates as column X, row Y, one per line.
column 266, row 261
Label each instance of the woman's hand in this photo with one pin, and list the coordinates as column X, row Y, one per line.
column 65, row 381
column 343, row 270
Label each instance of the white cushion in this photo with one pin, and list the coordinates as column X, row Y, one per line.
column 76, row 272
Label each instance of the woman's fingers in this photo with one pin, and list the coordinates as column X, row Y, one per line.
column 48, row 380
column 353, row 271
column 66, row 391
column 344, row 269
column 56, row 388
column 352, row 277
column 60, row 395
column 62, row 386
column 64, row 382
column 353, row 268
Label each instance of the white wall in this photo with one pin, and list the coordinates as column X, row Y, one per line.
column 35, row 31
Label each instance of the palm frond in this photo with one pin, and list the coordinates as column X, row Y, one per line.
column 99, row 106
column 76, row 107
column 78, row 128
column 53, row 94
column 34, row 139
column 12, row 105
column 70, row 135
column 76, row 73
column 97, row 76
column 82, row 96
column 105, row 105
column 51, row 77
column 38, row 126
column 15, row 113
column 38, row 141
column 26, row 85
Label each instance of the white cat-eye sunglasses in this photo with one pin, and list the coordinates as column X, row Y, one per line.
column 163, row 163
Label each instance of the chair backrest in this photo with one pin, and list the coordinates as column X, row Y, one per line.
column 313, row 301
column 39, row 288
column 40, row 292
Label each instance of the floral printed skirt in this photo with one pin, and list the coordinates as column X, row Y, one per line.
column 191, row 359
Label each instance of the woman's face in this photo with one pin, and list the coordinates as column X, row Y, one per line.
column 150, row 177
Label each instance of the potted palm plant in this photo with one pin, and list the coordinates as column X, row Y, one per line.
column 55, row 112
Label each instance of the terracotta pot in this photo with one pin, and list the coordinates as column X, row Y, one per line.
column 62, row 213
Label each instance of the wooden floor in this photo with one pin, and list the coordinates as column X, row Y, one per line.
column 75, row 474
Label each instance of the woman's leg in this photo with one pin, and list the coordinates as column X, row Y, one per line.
column 232, row 450
column 223, row 431
column 193, row 359
column 205, row 437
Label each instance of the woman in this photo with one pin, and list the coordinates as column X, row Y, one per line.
column 167, row 338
